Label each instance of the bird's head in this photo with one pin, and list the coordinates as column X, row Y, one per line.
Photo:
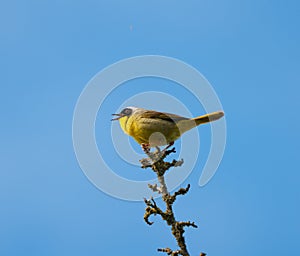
column 126, row 112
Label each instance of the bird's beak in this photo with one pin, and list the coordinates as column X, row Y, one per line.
column 117, row 118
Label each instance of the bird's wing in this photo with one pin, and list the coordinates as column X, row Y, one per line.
column 164, row 116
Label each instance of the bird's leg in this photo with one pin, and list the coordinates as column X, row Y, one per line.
column 146, row 162
column 145, row 148
column 154, row 157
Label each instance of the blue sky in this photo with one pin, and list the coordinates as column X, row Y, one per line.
column 248, row 50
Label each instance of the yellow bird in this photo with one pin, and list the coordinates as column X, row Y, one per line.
column 152, row 129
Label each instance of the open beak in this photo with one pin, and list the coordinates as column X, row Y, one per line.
column 117, row 118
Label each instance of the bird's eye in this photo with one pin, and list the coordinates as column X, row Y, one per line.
column 127, row 111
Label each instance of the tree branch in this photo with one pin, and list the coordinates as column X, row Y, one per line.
column 159, row 166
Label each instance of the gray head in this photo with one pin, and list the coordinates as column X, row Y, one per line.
column 128, row 111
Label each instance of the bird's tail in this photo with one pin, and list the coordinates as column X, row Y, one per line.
column 208, row 117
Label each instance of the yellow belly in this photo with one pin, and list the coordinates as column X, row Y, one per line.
column 154, row 132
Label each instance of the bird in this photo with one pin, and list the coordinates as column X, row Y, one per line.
column 151, row 128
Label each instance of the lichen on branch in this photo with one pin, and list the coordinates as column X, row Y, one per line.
column 156, row 162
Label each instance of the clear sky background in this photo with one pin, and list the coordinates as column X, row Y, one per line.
column 248, row 50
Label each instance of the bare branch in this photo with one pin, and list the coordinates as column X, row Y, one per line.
column 159, row 166
column 182, row 191
column 187, row 223
column 169, row 251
